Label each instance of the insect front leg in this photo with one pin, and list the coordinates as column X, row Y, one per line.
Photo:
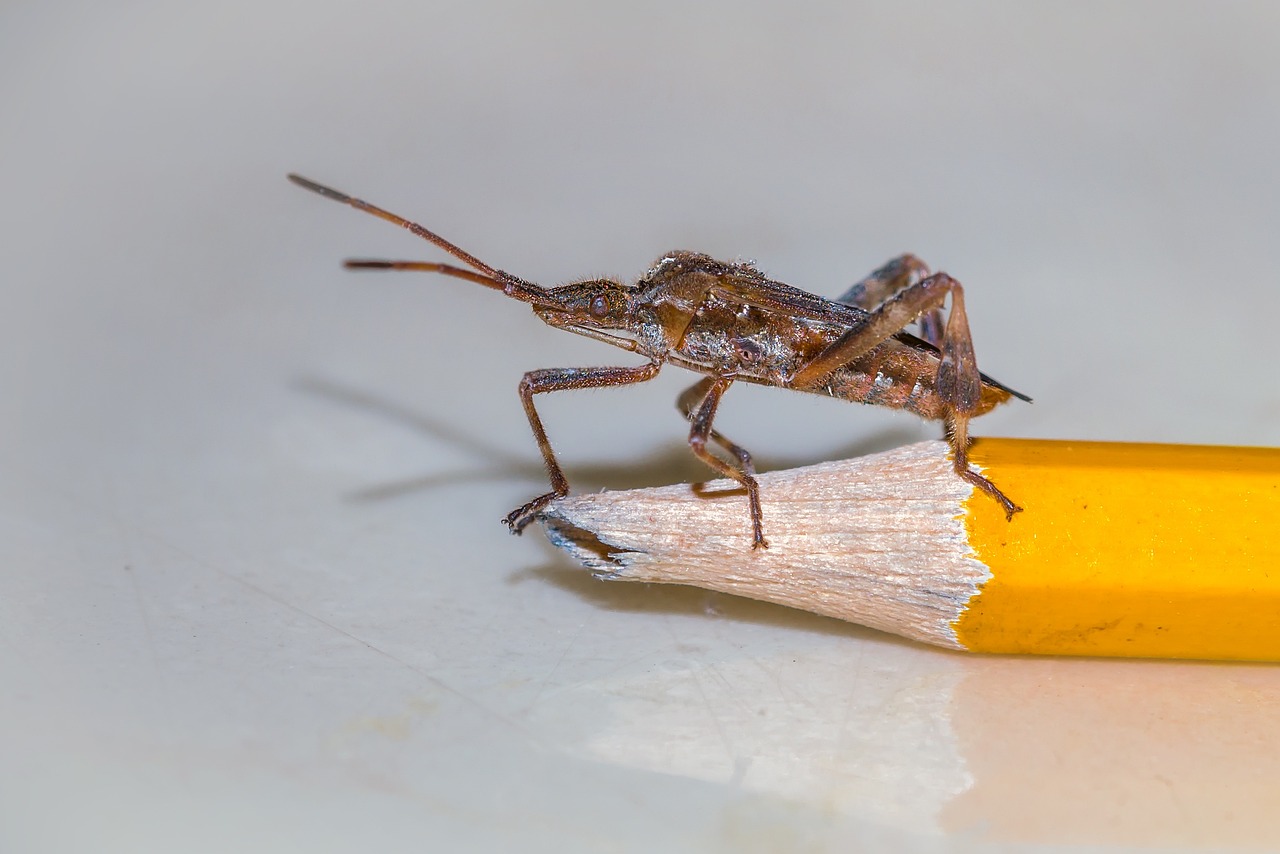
column 562, row 379
column 958, row 383
column 701, row 414
column 897, row 275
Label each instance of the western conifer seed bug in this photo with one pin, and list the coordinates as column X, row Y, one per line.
column 729, row 322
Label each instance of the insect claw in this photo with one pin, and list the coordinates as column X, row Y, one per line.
column 515, row 521
column 519, row 518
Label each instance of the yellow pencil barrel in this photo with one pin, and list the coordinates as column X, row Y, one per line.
column 1127, row 550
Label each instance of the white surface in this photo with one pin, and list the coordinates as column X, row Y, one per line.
column 254, row 591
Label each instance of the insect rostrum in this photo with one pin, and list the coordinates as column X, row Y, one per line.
column 730, row 323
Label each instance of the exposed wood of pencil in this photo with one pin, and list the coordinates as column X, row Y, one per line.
column 1122, row 549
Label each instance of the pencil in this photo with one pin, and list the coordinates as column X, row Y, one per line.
column 1138, row 550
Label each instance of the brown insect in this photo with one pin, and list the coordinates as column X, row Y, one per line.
column 729, row 322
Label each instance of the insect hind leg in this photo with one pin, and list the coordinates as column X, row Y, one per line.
column 699, row 403
column 958, row 383
column 688, row 402
column 958, row 438
column 893, row 277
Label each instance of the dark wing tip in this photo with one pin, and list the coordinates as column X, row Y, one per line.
column 920, row 344
column 992, row 382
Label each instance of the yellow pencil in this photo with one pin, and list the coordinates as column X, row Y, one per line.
column 1166, row 551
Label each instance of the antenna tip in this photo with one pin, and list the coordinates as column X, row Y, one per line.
column 327, row 192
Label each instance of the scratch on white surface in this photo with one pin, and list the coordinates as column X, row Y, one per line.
column 145, row 619
column 740, row 766
column 696, row 675
column 546, row 680
column 852, row 693
column 430, row 677
column 780, row 687
column 434, row 680
column 126, row 534
column 622, row 665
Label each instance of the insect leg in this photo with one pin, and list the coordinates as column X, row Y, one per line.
column 701, row 417
column 958, row 382
column 896, row 276
column 562, row 379
column 958, row 437
column 687, row 403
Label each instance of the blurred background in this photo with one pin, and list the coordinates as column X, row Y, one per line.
column 254, row 587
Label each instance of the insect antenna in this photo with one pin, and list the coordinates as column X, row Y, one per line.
column 486, row 275
column 423, row 266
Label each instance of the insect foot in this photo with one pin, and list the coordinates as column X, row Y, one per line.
column 517, row 520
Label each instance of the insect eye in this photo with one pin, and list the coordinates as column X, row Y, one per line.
column 599, row 307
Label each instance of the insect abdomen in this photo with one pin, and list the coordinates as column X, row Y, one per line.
column 899, row 378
